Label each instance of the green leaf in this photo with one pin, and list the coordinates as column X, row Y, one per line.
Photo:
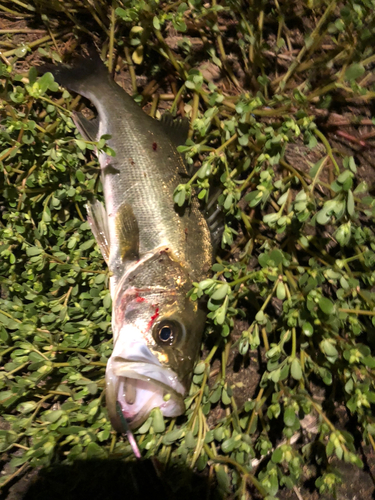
column 307, row 329
column 277, row 456
column 295, row 369
column 270, row 218
column 190, row 440
column 276, row 257
column 228, row 445
column 95, row 451
column 87, row 245
column 156, row 23
column 350, row 203
column 21, row 51
column 323, row 217
column 47, row 82
column 53, row 416
column 326, row 305
column 200, row 367
column 81, row 144
column 26, row 407
column 225, row 398
column 219, row 434
column 289, row 416
column 280, row 291
column 328, row 348
column 158, row 421
column 172, row 436
column 315, row 168
column 260, row 317
column 216, row 395
column 32, row 251
column 354, row 71
column 72, row 429
column 145, row 427
column 222, row 479
column 220, row 292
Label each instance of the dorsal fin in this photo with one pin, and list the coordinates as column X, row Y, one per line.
column 89, row 129
column 127, row 232
column 176, row 129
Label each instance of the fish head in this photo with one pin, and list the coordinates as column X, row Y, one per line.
column 157, row 336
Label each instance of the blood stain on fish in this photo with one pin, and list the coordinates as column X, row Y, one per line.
column 154, row 146
column 153, row 318
column 138, row 298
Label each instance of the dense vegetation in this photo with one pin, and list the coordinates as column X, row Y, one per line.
column 279, row 97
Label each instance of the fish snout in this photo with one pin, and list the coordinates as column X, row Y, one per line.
column 138, row 382
column 134, row 352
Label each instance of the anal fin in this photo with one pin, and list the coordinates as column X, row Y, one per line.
column 98, row 220
column 127, row 232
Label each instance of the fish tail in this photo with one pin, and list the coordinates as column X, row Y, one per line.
column 85, row 72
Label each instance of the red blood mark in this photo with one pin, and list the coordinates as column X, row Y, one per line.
column 153, row 318
column 154, row 146
column 138, row 298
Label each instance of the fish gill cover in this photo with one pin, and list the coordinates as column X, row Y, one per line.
column 279, row 95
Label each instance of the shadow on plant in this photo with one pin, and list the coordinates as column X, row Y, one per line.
column 115, row 479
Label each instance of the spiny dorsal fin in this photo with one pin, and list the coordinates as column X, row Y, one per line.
column 89, row 129
column 98, row 220
column 177, row 130
column 127, row 233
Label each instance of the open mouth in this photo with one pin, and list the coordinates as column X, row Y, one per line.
column 139, row 387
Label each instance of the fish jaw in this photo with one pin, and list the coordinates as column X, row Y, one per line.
column 137, row 380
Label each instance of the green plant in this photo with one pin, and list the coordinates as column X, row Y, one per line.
column 300, row 245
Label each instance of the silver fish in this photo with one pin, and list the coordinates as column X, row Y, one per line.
column 153, row 249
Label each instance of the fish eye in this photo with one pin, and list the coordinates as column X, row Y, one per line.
column 167, row 332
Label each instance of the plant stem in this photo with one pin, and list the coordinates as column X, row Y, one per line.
column 229, row 461
column 357, row 311
column 328, row 149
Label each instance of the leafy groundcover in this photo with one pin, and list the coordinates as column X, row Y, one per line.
column 280, row 96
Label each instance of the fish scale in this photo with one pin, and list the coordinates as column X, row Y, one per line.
column 136, row 169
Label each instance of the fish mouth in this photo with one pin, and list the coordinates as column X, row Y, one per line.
column 140, row 386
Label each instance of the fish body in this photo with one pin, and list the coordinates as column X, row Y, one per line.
column 153, row 249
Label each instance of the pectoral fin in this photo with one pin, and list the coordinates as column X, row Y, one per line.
column 98, row 220
column 215, row 218
column 89, row 129
column 127, row 233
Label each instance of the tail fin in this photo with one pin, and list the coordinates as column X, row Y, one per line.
column 81, row 74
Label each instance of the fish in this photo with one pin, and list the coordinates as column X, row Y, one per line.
column 154, row 249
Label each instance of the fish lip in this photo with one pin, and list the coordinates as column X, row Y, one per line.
column 163, row 381
column 131, row 369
